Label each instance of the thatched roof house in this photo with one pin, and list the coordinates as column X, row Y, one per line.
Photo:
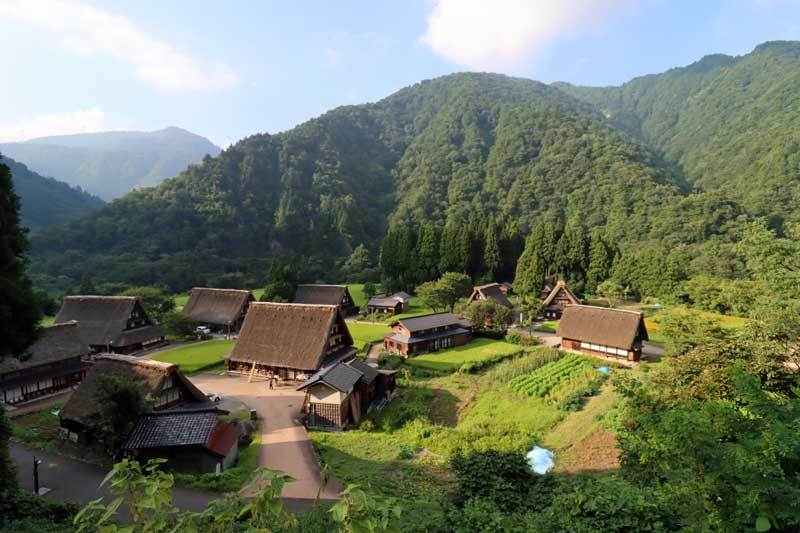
column 53, row 362
column 222, row 309
column 557, row 300
column 317, row 294
column 491, row 291
column 290, row 340
column 163, row 383
column 117, row 324
column 599, row 330
column 192, row 441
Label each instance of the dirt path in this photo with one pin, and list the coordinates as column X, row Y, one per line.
column 374, row 352
column 285, row 444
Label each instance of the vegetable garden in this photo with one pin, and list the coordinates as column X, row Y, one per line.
column 562, row 382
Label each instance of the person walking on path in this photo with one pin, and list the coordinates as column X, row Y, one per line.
column 270, row 378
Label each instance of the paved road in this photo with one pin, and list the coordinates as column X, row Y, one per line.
column 285, row 444
column 77, row 482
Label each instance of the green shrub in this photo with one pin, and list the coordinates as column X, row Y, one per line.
column 406, row 451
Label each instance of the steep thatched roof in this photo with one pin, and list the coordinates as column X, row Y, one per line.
column 56, row 343
column 617, row 328
column 217, row 306
column 320, row 294
column 103, row 319
column 561, row 288
column 490, row 291
column 288, row 335
column 151, row 376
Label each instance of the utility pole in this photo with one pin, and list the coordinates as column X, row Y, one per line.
column 36, row 463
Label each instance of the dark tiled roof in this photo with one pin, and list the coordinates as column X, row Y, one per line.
column 56, row 343
column 103, row 319
column 382, row 301
column 288, row 335
column 369, row 372
column 434, row 320
column 178, row 428
column 151, row 375
column 340, row 376
column 319, row 294
column 427, row 337
column 616, row 328
column 217, row 306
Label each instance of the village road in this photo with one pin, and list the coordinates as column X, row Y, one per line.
column 73, row 481
column 285, row 445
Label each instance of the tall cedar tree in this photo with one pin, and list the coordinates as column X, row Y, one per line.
column 531, row 267
column 601, row 256
column 491, row 251
column 427, row 252
column 512, row 244
column 19, row 314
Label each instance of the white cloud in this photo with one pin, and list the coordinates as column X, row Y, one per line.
column 507, row 34
column 88, row 30
column 80, row 121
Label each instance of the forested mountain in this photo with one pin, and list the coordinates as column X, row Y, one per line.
column 451, row 149
column 46, row 201
column 109, row 164
column 728, row 124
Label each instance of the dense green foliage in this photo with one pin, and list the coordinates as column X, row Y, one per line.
column 727, row 123
column 461, row 149
column 46, row 201
column 109, row 164
column 19, row 312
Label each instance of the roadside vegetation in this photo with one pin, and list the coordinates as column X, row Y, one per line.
column 233, row 479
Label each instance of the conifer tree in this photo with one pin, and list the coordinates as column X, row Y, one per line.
column 531, row 267
column 19, row 313
column 491, row 251
column 450, row 254
column 427, row 253
column 600, row 258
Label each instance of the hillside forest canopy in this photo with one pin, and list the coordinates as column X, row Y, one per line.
column 456, row 174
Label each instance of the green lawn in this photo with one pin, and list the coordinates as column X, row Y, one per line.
column 549, row 326
column 38, row 429
column 47, row 321
column 198, row 356
column 477, row 351
column 357, row 292
column 363, row 333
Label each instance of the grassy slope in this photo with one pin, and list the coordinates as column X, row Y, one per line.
column 452, row 359
column 404, row 451
column 38, row 429
column 197, row 356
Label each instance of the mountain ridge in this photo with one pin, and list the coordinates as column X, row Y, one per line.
column 46, row 201
column 110, row 164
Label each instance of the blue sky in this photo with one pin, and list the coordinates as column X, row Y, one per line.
column 226, row 70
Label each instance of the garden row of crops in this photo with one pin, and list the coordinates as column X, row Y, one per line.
column 547, row 378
